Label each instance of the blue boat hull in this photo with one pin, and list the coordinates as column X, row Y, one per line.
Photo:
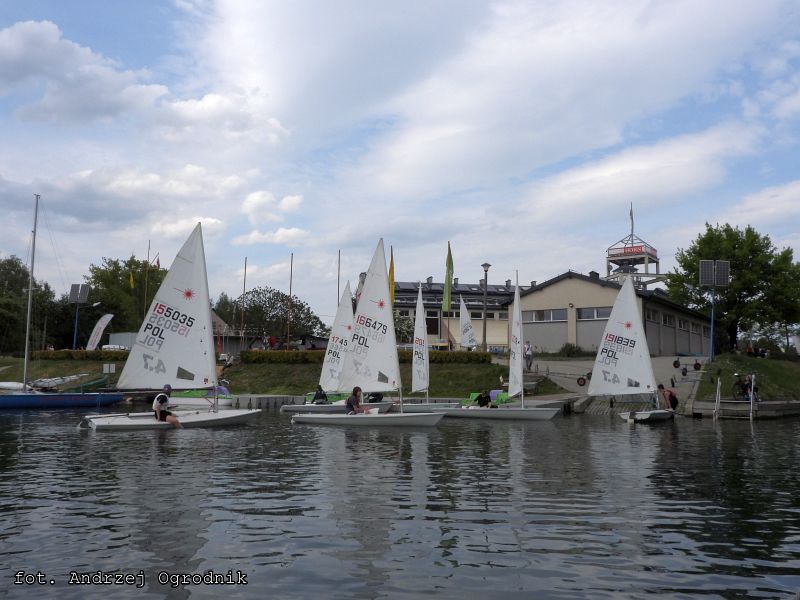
column 58, row 400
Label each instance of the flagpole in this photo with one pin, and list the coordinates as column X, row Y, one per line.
column 289, row 316
column 241, row 327
column 146, row 275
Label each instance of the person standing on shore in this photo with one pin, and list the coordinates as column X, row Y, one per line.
column 527, row 352
column 160, row 408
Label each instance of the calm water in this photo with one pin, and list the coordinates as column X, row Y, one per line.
column 580, row 507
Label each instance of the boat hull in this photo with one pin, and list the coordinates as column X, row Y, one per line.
column 340, row 409
column 511, row 414
column 146, row 421
column 59, row 400
column 648, row 416
column 428, row 407
column 371, row 420
column 200, row 401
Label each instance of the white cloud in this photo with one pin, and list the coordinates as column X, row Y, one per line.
column 79, row 84
column 671, row 171
column 543, row 82
column 181, row 228
column 775, row 205
column 288, row 236
column 262, row 207
column 290, row 203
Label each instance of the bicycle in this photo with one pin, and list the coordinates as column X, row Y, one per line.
column 741, row 390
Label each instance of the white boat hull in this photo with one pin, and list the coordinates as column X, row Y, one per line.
column 147, row 421
column 340, row 409
column 371, row 420
column 648, row 416
column 513, row 414
column 197, row 402
column 428, row 407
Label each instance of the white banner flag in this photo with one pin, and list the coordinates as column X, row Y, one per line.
column 97, row 332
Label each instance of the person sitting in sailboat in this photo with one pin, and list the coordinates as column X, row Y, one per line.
column 353, row 403
column 320, row 397
column 160, row 407
column 484, row 399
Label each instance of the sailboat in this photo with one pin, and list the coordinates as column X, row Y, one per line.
column 371, row 358
column 420, row 364
column 175, row 346
column 623, row 366
column 42, row 393
column 468, row 337
column 175, row 343
column 331, row 374
column 515, row 387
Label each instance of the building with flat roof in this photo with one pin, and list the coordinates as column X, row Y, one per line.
column 569, row 308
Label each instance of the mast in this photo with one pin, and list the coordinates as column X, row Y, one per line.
column 30, row 298
column 289, row 316
column 241, row 327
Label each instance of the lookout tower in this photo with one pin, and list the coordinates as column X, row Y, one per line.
column 626, row 256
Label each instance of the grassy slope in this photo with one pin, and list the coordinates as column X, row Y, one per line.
column 775, row 379
column 447, row 380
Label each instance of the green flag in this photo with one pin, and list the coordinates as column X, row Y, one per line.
column 448, row 280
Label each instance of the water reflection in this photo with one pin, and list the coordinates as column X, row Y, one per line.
column 580, row 507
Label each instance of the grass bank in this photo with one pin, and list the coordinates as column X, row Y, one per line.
column 775, row 379
column 447, row 380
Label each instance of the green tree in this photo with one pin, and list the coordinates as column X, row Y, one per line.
column 14, row 276
column 226, row 309
column 403, row 328
column 124, row 289
column 757, row 277
column 267, row 310
column 783, row 299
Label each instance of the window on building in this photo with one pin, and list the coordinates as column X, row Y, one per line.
column 451, row 314
column 668, row 320
column 651, row 315
column 551, row 314
column 595, row 312
column 527, row 316
column 489, row 315
column 695, row 327
column 404, row 313
column 476, row 315
column 432, row 322
column 503, row 316
column 705, row 331
column 683, row 324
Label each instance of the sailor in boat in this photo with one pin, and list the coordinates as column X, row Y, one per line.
column 353, row 404
column 320, row 397
column 160, row 407
column 483, row 400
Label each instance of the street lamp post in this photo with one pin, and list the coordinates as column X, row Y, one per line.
column 485, row 289
column 75, row 334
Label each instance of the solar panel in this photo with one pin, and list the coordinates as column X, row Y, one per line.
column 707, row 273
column 722, row 273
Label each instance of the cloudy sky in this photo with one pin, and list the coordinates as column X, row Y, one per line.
column 519, row 131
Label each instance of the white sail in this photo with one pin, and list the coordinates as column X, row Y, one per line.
column 371, row 361
column 623, row 363
column 98, row 330
column 515, row 358
column 420, row 375
column 468, row 337
column 337, row 342
column 175, row 344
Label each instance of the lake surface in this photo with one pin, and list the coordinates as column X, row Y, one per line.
column 579, row 507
